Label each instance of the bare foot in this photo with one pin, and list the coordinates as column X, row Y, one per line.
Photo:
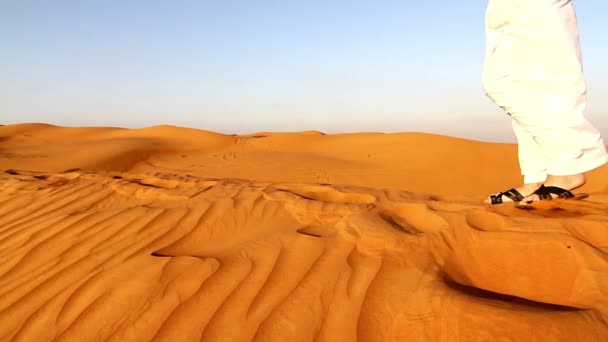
column 525, row 190
column 569, row 183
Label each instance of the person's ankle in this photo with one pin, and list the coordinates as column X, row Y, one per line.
column 567, row 182
column 532, row 185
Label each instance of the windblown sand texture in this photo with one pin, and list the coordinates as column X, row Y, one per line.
column 176, row 234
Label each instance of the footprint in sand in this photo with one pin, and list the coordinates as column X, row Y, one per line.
column 454, row 207
column 157, row 188
column 166, row 181
column 322, row 193
column 162, row 181
column 32, row 180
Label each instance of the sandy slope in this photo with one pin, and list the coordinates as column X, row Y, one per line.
column 174, row 234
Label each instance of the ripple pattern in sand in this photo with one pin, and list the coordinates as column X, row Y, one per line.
column 128, row 257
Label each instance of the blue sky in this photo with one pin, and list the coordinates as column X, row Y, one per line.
column 247, row 66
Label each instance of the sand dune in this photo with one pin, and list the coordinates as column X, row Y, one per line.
column 175, row 234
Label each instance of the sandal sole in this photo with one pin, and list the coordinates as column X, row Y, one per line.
column 538, row 204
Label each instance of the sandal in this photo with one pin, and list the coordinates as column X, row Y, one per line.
column 545, row 193
column 513, row 194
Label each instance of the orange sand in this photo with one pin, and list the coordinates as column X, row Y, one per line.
column 176, row 234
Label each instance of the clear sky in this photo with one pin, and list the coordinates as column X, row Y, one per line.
column 255, row 65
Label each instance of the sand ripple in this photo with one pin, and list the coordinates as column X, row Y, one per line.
column 90, row 256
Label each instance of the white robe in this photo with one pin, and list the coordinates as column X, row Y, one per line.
column 533, row 70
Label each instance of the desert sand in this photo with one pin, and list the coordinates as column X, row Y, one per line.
column 177, row 234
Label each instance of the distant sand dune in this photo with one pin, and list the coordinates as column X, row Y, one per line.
column 171, row 234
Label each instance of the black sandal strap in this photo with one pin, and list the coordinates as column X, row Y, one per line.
column 561, row 193
column 545, row 192
column 513, row 194
column 496, row 199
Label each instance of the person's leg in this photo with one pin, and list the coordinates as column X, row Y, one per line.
column 569, row 142
column 497, row 68
column 533, row 71
column 532, row 162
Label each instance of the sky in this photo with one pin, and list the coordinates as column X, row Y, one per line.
column 255, row 65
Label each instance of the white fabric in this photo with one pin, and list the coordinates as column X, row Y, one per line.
column 533, row 70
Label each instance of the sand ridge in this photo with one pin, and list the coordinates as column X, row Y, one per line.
column 167, row 255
